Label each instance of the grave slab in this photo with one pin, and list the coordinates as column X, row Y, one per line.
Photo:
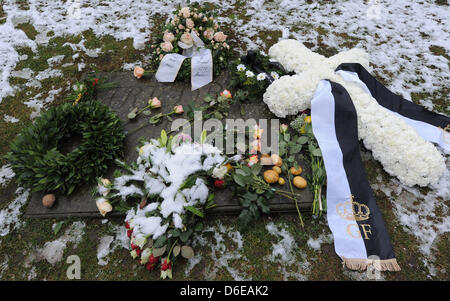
column 130, row 93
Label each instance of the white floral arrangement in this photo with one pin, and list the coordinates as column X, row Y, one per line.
column 179, row 33
column 169, row 181
column 398, row 147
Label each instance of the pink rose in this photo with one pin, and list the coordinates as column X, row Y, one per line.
column 168, row 37
column 220, row 36
column 186, row 38
column 189, row 23
column 180, row 26
column 209, row 34
column 138, row 72
column 154, row 103
column 185, row 12
column 166, row 46
column 178, row 109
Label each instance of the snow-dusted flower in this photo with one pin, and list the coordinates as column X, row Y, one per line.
column 220, row 172
column 261, row 76
column 103, row 206
column 241, row 67
column 249, row 73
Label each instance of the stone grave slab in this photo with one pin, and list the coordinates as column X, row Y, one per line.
column 130, row 93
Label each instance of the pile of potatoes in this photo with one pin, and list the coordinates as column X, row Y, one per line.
column 272, row 176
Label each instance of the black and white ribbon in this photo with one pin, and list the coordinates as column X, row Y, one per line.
column 360, row 236
column 431, row 126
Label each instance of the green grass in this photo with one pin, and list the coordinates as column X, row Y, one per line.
column 325, row 264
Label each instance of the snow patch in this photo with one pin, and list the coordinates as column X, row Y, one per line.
column 108, row 244
column 53, row 251
column 9, row 217
column 6, row 174
column 285, row 253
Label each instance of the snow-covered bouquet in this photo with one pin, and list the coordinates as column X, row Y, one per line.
column 169, row 182
column 180, row 30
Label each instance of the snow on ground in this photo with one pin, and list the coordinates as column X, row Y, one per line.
column 10, row 119
column 285, row 252
column 397, row 34
column 6, row 174
column 424, row 215
column 9, row 217
column 108, row 243
column 322, row 239
column 221, row 256
column 53, row 251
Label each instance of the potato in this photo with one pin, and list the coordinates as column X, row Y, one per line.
column 270, row 176
column 276, row 160
column 295, row 171
column 277, row 169
column 281, row 181
column 48, row 200
column 299, row 182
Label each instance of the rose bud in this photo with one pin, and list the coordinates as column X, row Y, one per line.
column 138, row 72
column 283, row 128
column 166, row 265
column 129, row 232
column 226, row 94
column 133, row 246
column 154, row 103
column 127, row 225
column 149, row 266
column 178, row 109
column 219, row 183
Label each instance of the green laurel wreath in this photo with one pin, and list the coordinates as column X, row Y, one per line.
column 35, row 155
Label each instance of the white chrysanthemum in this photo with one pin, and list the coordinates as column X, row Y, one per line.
column 249, row 73
column 397, row 145
column 240, row 67
column 261, row 76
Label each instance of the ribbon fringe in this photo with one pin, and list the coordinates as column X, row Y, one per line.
column 380, row 265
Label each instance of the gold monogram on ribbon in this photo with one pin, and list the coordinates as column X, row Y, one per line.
column 352, row 210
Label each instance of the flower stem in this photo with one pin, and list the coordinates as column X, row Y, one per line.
column 296, row 202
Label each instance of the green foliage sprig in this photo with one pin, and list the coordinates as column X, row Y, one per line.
column 317, row 179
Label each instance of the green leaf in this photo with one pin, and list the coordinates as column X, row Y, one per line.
column 160, row 241
column 195, row 211
column 302, row 140
column 57, row 227
column 184, row 236
column 187, row 252
column 203, row 137
column 132, row 114
column 239, row 179
column 256, row 168
column 317, row 152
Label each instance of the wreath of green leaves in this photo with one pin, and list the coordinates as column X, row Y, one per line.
column 35, row 155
